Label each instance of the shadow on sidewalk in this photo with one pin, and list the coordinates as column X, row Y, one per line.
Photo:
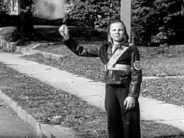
column 16, row 137
column 171, row 136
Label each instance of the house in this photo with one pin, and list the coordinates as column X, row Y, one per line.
column 14, row 7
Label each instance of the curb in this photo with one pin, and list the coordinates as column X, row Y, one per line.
column 47, row 55
column 41, row 130
column 11, row 47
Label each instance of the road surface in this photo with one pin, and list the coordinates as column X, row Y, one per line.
column 11, row 126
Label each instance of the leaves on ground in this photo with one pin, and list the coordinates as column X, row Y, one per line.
column 166, row 90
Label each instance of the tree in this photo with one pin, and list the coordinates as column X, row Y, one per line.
column 1, row 5
column 148, row 16
column 93, row 13
column 25, row 30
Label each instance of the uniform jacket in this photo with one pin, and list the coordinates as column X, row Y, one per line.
column 130, row 58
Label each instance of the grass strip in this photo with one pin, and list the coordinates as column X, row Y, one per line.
column 167, row 90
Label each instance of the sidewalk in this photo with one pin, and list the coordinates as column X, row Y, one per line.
column 92, row 92
column 13, row 126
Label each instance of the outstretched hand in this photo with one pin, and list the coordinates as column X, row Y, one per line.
column 63, row 30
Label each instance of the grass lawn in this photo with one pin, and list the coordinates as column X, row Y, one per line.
column 77, row 114
column 168, row 64
column 166, row 90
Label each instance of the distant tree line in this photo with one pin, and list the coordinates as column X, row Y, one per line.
column 147, row 16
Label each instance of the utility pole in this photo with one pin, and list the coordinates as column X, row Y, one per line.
column 182, row 8
column 126, row 10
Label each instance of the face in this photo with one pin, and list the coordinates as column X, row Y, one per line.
column 117, row 31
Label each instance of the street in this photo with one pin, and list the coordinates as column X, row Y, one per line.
column 11, row 126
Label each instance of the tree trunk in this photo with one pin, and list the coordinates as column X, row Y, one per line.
column 25, row 31
column 26, row 27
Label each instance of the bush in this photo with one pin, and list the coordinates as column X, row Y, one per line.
column 9, row 20
column 93, row 13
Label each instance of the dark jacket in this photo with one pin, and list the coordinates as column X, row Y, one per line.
column 129, row 58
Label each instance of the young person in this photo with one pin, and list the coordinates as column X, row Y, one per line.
column 123, row 77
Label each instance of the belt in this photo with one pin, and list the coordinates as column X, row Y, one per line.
column 122, row 67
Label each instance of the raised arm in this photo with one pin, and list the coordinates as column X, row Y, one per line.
column 74, row 46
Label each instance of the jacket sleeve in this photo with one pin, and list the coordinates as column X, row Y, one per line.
column 80, row 50
column 136, row 74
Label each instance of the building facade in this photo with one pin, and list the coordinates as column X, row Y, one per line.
column 14, row 7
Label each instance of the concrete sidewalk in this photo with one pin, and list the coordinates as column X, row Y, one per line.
column 11, row 125
column 92, row 92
